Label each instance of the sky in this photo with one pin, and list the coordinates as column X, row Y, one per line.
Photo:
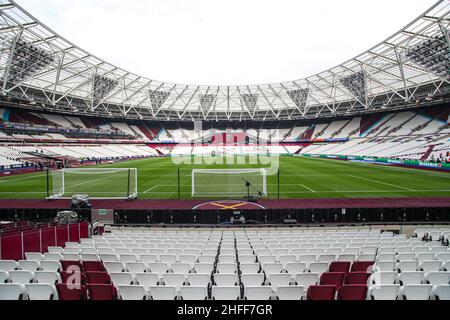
column 225, row 42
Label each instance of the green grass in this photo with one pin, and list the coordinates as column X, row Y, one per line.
column 300, row 178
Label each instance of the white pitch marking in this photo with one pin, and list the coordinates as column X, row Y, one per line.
column 308, row 188
column 148, row 190
column 379, row 182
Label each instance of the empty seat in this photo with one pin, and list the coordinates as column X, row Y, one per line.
column 90, row 257
column 121, row 278
column 8, row 265
column 203, row 268
column 340, row 267
column 443, row 256
column 29, row 265
column 224, row 279
column 54, row 249
column 249, row 267
column 158, row 267
column 71, row 265
column 425, row 256
column 168, row 259
column 322, row 292
column 387, row 257
column 441, row 292
column 41, row 291
column 361, row 278
column 199, row 279
column 328, row 258
column 70, row 292
column 53, row 256
column 227, row 268
column 290, row 293
column 51, row 266
column 412, row 277
column 384, row 292
column 128, row 257
column 437, row 278
column 21, row 277
column 174, row 279
column 4, row 277
column 361, row 266
column 134, row 293
column 162, row 293
column 352, row 292
column 148, row 258
column 384, row 277
column 225, row 293
column 93, row 266
column 406, row 257
column 136, row 267
column 262, row 259
column 318, row 267
column 307, row 258
column 207, row 259
column 416, row 292
column 332, row 278
column 261, row 293
column 430, row 266
column 279, row 279
column 382, row 266
column 101, row 292
column 114, row 266
column 97, row 278
column 147, row 279
column 227, row 258
column 252, row 279
column 247, row 258
column 194, row 293
column 407, row 266
column 307, row 279
column 45, row 277
column 34, row 256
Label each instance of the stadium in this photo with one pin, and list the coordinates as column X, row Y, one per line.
column 115, row 186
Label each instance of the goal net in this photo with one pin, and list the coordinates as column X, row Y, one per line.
column 98, row 183
column 209, row 183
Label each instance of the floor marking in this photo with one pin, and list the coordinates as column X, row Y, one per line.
column 308, row 188
column 148, row 190
column 379, row 182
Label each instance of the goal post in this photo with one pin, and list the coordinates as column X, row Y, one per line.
column 223, row 183
column 98, row 183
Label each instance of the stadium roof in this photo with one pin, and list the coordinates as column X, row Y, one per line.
column 39, row 69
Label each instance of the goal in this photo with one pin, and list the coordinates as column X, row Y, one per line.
column 227, row 183
column 98, row 183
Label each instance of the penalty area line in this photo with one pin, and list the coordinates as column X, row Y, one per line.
column 313, row 191
column 152, row 188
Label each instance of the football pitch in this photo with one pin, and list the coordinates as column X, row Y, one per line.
column 299, row 178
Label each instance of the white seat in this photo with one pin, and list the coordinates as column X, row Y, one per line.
column 406, row 257
column 227, row 258
column 252, row 279
column 188, row 259
column 4, row 277
column 148, row 258
column 39, row 291
column 50, row 266
column 387, row 257
column 318, row 267
column 194, row 293
column 109, row 257
column 174, row 279
column 147, row 279
column 8, row 265
column 35, row 256
column 266, row 259
column 287, row 258
column 183, row 268
column 162, row 293
column 134, row 293
column 407, row 266
column 70, row 251
column 270, row 268
column 410, row 278
column 199, row 279
column 445, row 266
column 226, row 279
column 203, row 268
column 279, row 279
column 247, row 258
column 290, row 293
column 384, row 266
column 29, row 265
column 128, row 257
column 114, row 266
column 54, row 249
column 441, row 292
column 416, row 292
column 295, row 267
column 227, row 268
column 71, row 257
column 169, row 259
column 443, row 256
column 10, row 291
column 102, row 251
column 158, row 267
column 53, row 256
column 307, row 258
column 384, row 291
column 122, row 278
column 261, row 293
column 327, row 258
column 21, row 277
column 207, row 259
column 249, row 267
column 383, row 277
column 307, row 279
column 437, row 278
column 46, row 277
column 424, row 256
column 225, row 293
column 88, row 251
column 366, row 257
column 346, row 258
column 136, row 267
column 430, row 266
